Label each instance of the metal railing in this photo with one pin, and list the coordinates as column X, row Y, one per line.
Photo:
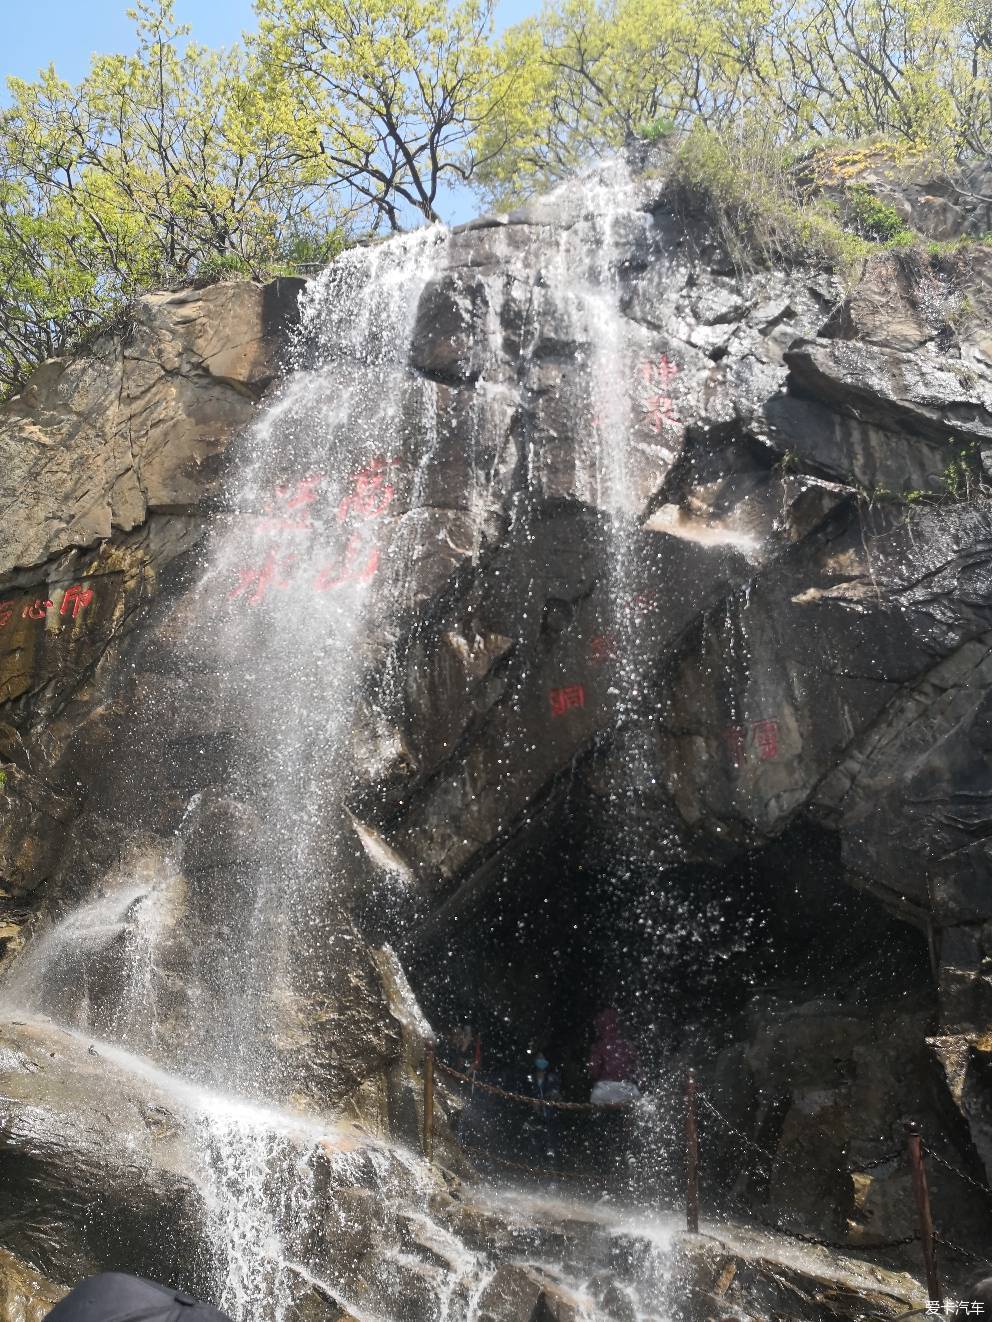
column 915, row 1152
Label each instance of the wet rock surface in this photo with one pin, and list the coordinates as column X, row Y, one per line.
column 741, row 1276
column 792, row 629
column 25, row 1294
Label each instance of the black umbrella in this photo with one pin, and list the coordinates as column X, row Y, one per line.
column 114, row 1297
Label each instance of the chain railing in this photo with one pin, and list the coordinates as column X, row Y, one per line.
column 556, row 1104
column 432, row 1063
column 928, row 1236
column 914, row 1154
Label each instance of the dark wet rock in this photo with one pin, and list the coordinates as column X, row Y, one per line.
column 521, row 1294
column 101, row 1168
column 860, row 454
column 924, row 392
column 797, row 637
column 448, row 339
column 73, row 1214
column 25, row 1294
column 734, row 1275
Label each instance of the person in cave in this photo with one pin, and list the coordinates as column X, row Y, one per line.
column 461, row 1048
column 612, row 1062
column 614, row 1145
column 539, row 1132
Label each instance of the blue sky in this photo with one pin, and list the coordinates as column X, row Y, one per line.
column 68, row 32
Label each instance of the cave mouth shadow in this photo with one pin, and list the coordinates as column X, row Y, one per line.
column 569, row 923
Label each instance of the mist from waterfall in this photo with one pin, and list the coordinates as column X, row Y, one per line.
column 309, row 579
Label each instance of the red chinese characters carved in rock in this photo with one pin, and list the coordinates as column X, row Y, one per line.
column 371, row 494
column 659, row 411
column 270, row 574
column 566, row 699
column 764, row 737
column 602, row 649
column 74, row 599
column 289, row 510
column 358, row 565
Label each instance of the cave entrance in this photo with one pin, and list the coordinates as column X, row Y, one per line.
column 550, row 935
column 566, row 921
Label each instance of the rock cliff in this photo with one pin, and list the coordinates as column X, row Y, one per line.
column 671, row 684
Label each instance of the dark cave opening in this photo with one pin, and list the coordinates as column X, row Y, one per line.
column 562, row 927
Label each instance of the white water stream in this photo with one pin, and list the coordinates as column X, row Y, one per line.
column 301, row 593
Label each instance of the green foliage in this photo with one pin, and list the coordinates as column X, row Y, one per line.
column 180, row 163
column 659, row 129
column 158, row 167
column 382, row 96
column 875, row 219
column 746, row 186
column 220, row 267
column 917, row 73
column 308, row 251
column 960, row 478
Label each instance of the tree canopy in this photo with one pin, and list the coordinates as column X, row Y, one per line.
column 341, row 117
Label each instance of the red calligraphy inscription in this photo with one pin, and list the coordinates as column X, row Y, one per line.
column 369, row 497
column 259, row 579
column 75, row 599
column 289, row 511
column 371, row 493
column 765, row 739
column 349, row 570
column 602, row 648
column 764, row 736
column 565, row 699
column 659, row 410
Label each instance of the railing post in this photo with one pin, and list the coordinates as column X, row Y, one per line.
column 692, row 1155
column 914, row 1141
column 429, row 1101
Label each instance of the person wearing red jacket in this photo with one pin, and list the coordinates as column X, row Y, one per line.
column 612, row 1062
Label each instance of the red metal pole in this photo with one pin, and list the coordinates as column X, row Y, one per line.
column 429, row 1101
column 914, row 1142
column 692, row 1155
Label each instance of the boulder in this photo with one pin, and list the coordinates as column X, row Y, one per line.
column 923, row 392
column 521, row 1294
column 139, row 423
column 25, row 1294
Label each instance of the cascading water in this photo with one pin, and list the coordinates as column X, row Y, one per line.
column 311, row 572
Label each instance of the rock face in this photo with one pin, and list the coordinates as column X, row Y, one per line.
column 683, row 637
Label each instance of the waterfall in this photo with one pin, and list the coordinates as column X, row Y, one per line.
column 312, row 566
